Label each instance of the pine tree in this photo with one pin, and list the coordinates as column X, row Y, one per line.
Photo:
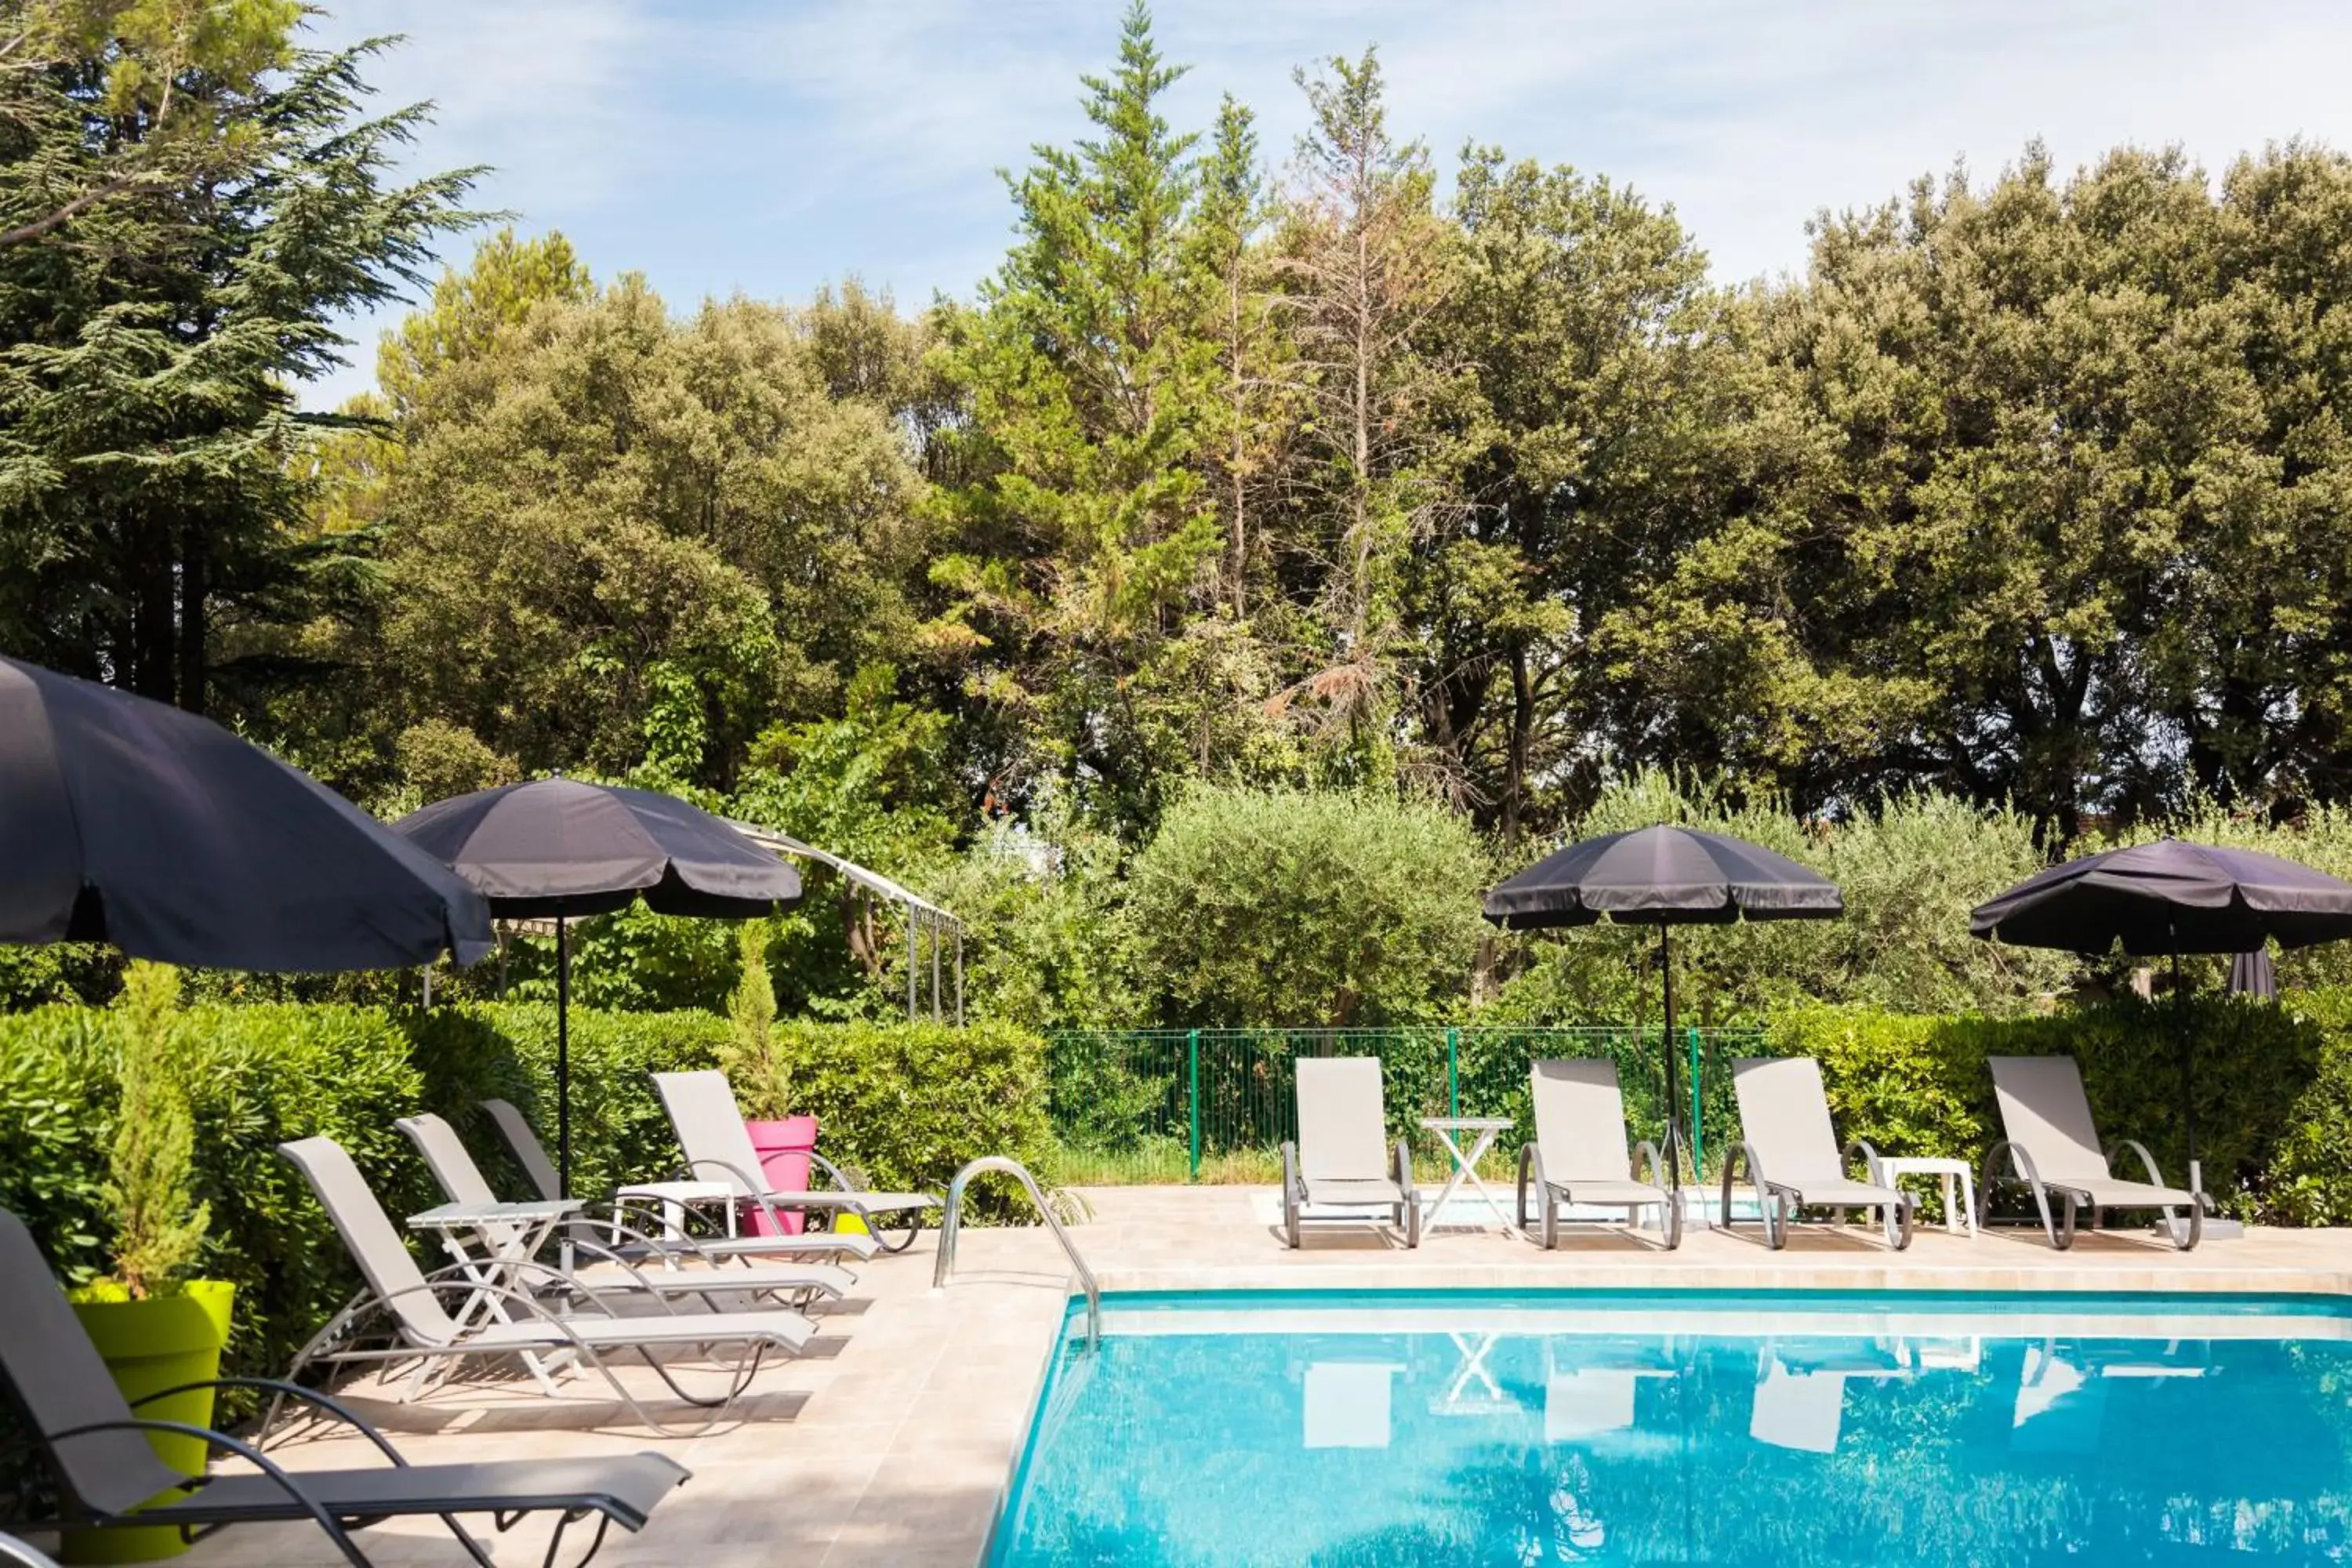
column 1088, row 366
column 152, row 344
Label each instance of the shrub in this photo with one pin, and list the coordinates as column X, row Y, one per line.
column 159, row 1224
column 618, row 1131
column 1911, row 867
column 1914, row 1085
column 255, row 1077
column 908, row 1104
column 1272, row 906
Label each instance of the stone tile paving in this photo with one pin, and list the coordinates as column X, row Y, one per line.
column 894, row 1441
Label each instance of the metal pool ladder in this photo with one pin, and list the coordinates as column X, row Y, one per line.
column 953, row 1222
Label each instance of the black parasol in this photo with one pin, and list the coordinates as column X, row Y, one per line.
column 129, row 822
column 560, row 848
column 2171, row 897
column 1663, row 876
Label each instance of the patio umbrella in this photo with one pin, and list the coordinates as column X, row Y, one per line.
column 128, row 822
column 1663, row 876
column 2170, row 897
column 559, row 848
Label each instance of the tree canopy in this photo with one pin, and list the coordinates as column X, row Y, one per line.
column 1251, row 477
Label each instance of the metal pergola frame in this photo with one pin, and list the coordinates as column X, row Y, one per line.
column 921, row 915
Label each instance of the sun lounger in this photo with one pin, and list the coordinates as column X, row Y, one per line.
column 96, row 1443
column 19, row 1555
column 400, row 1316
column 531, row 1155
column 2049, row 1147
column 709, row 1127
column 462, row 1180
column 1341, row 1159
column 1791, row 1156
column 1578, row 1156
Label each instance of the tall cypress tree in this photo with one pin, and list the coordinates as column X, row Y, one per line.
column 1090, row 370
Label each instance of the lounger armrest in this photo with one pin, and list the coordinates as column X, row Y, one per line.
column 1294, row 1186
column 629, row 1235
column 770, row 1202
column 1530, row 1168
column 1743, row 1154
column 523, row 1299
column 2147, row 1160
column 285, row 1390
column 1647, row 1150
column 1869, row 1159
column 1404, row 1170
column 843, row 1181
column 243, row 1450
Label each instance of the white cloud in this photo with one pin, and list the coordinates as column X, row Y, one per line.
column 725, row 144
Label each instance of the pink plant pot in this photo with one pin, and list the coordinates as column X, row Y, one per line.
column 783, row 1147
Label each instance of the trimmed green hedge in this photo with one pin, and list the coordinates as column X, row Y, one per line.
column 906, row 1103
column 2273, row 1088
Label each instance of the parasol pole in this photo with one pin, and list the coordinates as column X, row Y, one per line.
column 562, row 1057
column 2188, row 1059
column 1667, row 968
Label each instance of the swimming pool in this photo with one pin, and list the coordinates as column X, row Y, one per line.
column 1789, row 1429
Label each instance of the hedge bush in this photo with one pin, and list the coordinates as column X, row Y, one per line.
column 257, row 1076
column 2273, row 1088
column 908, row 1104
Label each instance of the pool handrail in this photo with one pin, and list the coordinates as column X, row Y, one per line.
column 953, row 1222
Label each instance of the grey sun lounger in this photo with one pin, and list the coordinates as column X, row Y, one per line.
column 462, row 1180
column 20, row 1554
column 1792, row 1153
column 1577, row 1155
column 97, row 1444
column 400, row 1316
column 531, row 1155
column 2051, row 1147
column 717, row 1146
column 1341, row 1159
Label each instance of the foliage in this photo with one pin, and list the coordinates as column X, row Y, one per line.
column 159, row 1225
column 1918, row 1084
column 262, row 1074
column 1255, row 905
column 151, row 340
column 1046, row 944
column 762, row 1083
column 1910, row 870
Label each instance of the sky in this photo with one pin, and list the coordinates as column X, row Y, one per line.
column 772, row 146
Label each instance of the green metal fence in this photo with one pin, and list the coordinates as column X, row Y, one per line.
column 1161, row 1104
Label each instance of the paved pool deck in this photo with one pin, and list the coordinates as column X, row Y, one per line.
column 893, row 1440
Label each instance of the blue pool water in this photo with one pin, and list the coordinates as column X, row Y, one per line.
column 1775, row 1430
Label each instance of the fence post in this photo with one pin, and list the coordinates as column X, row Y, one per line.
column 1453, row 1072
column 1699, row 1133
column 1193, row 1095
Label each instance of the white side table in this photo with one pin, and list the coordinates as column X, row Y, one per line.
column 1466, row 1162
column 1893, row 1170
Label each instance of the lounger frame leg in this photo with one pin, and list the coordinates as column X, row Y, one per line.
column 1411, row 1207
column 1293, row 1195
column 2183, row 1238
column 2061, row 1229
column 1742, row 1156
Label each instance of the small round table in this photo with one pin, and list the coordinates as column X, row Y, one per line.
column 1466, row 1164
column 1947, row 1169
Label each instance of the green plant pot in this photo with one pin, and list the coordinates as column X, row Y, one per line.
column 151, row 1345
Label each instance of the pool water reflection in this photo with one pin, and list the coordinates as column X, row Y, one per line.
column 1747, row 1432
